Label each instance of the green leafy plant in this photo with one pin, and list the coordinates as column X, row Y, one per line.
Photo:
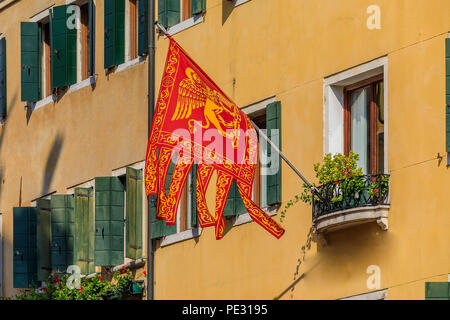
column 95, row 288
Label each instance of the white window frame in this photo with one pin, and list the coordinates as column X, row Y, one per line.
column 333, row 101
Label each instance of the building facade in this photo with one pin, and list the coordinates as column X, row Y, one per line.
column 331, row 76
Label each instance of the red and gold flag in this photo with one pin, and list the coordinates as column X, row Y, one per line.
column 190, row 110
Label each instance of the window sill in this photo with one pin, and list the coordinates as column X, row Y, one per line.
column 193, row 233
column 84, row 83
column 246, row 218
column 6, row 3
column 239, row 2
column 41, row 103
column 129, row 64
column 178, row 237
column 186, row 24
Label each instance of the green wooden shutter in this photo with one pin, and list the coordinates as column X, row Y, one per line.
column 273, row 121
column 156, row 225
column 169, row 12
column 109, row 221
column 437, row 290
column 2, row 78
column 198, row 6
column 134, row 213
column 234, row 205
column 447, row 93
column 63, row 225
column 91, row 36
column 193, row 196
column 84, row 235
column 114, row 32
column 171, row 229
column 44, row 239
column 142, row 27
column 25, row 248
column 63, row 48
column 29, row 39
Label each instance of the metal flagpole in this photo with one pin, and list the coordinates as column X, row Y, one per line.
column 277, row 150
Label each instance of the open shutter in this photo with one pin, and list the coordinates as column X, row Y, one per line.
column 2, row 78
column 44, row 240
column 234, row 205
column 29, row 39
column 84, row 230
column 62, row 207
column 91, row 36
column 134, row 213
column 25, row 249
column 109, row 221
column 168, row 12
column 193, row 196
column 437, row 290
column 114, row 32
column 142, row 27
column 156, row 225
column 198, row 6
column 273, row 121
column 63, row 47
column 447, row 93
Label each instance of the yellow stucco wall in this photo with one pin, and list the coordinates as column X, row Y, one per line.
column 284, row 48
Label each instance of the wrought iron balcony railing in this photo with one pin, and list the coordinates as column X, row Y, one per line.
column 354, row 192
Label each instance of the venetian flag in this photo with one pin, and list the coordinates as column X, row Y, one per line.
column 195, row 122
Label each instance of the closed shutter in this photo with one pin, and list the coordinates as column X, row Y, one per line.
column 84, row 236
column 142, row 27
column 44, row 239
column 198, row 6
column 234, row 205
column 2, row 78
column 447, row 93
column 25, row 249
column 109, row 221
column 273, row 121
column 193, row 196
column 134, row 213
column 63, row 221
column 91, row 36
column 63, row 47
column 437, row 290
column 168, row 12
column 114, row 42
column 29, row 40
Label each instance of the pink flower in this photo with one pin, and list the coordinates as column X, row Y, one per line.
column 81, row 289
column 375, row 190
column 100, row 278
column 145, row 273
column 336, row 182
column 44, row 289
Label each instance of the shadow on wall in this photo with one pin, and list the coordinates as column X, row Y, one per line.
column 227, row 9
column 9, row 109
column 52, row 161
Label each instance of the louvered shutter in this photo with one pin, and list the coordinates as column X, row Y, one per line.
column 273, row 121
column 63, row 46
column 63, row 225
column 25, row 247
column 109, row 221
column 44, row 239
column 84, row 230
column 29, row 39
column 134, row 212
column 142, row 27
column 114, row 41
column 2, row 78
column 193, row 196
column 198, row 6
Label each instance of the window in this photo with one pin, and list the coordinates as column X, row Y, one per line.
column 126, row 31
column 355, row 114
column 364, row 123
column 46, row 77
column 172, row 12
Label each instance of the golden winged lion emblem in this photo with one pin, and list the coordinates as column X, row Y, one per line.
column 194, row 94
